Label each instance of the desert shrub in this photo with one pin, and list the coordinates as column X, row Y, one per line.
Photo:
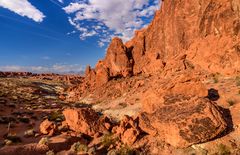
column 44, row 141
column 238, row 80
column 108, row 139
column 112, row 152
column 231, row 102
column 189, row 64
column 13, row 138
column 56, row 116
column 7, row 142
column 50, row 153
column 216, row 77
column 223, row 150
column 78, row 147
column 29, row 133
column 126, row 150
column 92, row 151
column 24, row 120
column 123, row 105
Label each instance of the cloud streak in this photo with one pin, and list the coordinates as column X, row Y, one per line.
column 106, row 18
column 23, row 8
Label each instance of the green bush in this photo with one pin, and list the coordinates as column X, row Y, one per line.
column 231, row 102
column 238, row 81
column 216, row 77
column 50, row 153
column 56, row 116
column 44, row 141
column 13, row 138
column 223, row 150
column 108, row 139
column 78, row 147
column 126, row 150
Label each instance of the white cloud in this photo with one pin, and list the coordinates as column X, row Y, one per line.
column 46, row 58
column 117, row 17
column 61, row 1
column 101, row 43
column 73, row 32
column 57, row 68
column 73, row 7
column 23, row 8
column 148, row 12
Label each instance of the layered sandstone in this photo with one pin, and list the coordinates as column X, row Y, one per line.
column 206, row 32
column 184, row 120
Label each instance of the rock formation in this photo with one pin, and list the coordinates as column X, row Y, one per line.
column 83, row 120
column 118, row 59
column 186, row 42
column 164, row 79
column 206, row 32
column 183, row 121
column 47, row 127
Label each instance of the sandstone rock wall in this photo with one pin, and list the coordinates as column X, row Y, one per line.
column 206, row 31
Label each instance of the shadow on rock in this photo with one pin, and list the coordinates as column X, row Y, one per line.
column 213, row 94
column 228, row 118
column 226, row 114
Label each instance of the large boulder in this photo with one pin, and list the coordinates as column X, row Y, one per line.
column 184, row 120
column 185, row 83
column 84, row 120
column 118, row 59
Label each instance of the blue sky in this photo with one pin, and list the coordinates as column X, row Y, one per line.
column 65, row 35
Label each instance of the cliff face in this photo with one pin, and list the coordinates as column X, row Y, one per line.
column 204, row 32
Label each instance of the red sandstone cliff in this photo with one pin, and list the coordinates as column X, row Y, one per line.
column 185, row 38
column 204, row 33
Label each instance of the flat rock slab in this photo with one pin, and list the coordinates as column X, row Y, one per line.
column 183, row 121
